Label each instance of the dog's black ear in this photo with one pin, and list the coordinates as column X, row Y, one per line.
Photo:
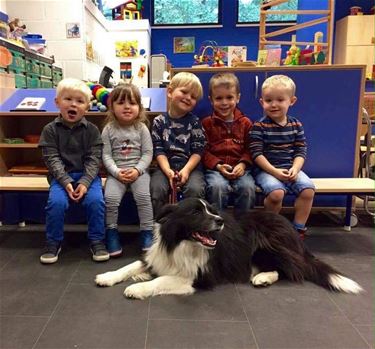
column 163, row 214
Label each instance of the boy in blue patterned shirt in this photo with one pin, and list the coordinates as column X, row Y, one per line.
column 278, row 148
column 178, row 141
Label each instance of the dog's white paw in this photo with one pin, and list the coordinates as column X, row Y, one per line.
column 265, row 278
column 107, row 279
column 142, row 277
column 138, row 291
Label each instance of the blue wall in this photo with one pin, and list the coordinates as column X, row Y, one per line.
column 229, row 34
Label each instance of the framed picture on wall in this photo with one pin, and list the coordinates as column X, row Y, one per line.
column 185, row 44
column 73, row 30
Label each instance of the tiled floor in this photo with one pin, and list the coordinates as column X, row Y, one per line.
column 58, row 306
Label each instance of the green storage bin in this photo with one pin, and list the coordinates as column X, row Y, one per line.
column 19, row 77
column 32, row 63
column 45, row 69
column 57, row 75
column 18, row 61
column 45, row 83
column 32, row 81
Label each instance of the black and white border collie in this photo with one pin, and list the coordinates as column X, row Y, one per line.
column 196, row 248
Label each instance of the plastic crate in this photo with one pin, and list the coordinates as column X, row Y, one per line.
column 45, row 83
column 32, row 81
column 19, row 61
column 45, row 69
column 57, row 75
column 19, row 77
column 32, row 66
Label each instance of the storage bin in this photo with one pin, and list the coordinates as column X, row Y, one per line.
column 32, row 81
column 45, row 69
column 19, row 77
column 32, row 64
column 45, row 83
column 18, row 61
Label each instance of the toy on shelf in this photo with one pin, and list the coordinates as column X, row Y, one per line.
column 292, row 56
column 100, row 95
column 17, row 30
column 125, row 9
column 209, row 54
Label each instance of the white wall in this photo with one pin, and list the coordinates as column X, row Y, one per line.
column 49, row 18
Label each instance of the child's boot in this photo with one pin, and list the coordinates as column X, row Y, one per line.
column 113, row 242
column 146, row 239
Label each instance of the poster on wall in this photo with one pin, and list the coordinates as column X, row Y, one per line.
column 184, row 44
column 126, row 71
column 126, row 48
column 73, row 30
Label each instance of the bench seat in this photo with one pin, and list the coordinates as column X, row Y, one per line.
column 335, row 186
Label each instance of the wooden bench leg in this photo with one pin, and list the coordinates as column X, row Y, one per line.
column 348, row 212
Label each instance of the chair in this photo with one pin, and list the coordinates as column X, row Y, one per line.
column 367, row 150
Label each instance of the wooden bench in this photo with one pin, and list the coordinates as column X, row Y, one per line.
column 331, row 186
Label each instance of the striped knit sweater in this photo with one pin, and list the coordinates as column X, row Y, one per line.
column 279, row 144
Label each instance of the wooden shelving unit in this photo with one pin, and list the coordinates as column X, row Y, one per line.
column 327, row 17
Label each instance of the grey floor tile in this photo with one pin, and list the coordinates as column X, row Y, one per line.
column 298, row 319
column 367, row 333
column 222, row 303
column 30, row 297
column 199, row 335
column 93, row 332
column 19, row 332
column 92, row 301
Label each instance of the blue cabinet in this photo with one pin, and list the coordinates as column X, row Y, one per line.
column 328, row 104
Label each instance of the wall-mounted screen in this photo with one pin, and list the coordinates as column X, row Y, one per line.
column 186, row 12
column 248, row 12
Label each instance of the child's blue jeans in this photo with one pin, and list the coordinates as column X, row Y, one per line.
column 58, row 203
column 219, row 188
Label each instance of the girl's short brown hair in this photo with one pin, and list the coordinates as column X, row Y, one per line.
column 122, row 93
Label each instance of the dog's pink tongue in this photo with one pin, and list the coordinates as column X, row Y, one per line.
column 205, row 239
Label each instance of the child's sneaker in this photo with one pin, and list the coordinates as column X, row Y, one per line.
column 113, row 242
column 51, row 252
column 147, row 238
column 98, row 250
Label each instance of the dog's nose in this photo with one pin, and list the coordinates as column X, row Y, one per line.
column 219, row 220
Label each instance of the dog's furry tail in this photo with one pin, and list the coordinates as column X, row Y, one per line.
column 326, row 276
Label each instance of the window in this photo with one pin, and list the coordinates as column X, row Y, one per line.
column 248, row 12
column 186, row 12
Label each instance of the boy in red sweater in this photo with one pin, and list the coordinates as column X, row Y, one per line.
column 226, row 156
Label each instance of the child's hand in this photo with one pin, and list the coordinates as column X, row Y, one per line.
column 225, row 170
column 293, row 173
column 239, row 170
column 121, row 176
column 79, row 192
column 281, row 174
column 70, row 190
column 130, row 175
column 183, row 176
column 170, row 175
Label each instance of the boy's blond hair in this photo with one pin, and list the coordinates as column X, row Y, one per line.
column 122, row 93
column 226, row 80
column 74, row 85
column 280, row 81
column 187, row 79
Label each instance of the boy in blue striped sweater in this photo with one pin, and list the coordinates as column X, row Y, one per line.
column 278, row 148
